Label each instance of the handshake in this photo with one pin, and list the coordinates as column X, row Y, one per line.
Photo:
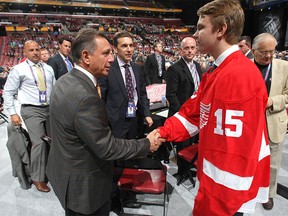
column 155, row 140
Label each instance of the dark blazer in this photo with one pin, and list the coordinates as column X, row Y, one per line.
column 116, row 99
column 179, row 84
column 80, row 162
column 58, row 64
column 250, row 54
column 151, row 70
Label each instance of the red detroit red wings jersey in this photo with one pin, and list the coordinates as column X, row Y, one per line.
column 233, row 159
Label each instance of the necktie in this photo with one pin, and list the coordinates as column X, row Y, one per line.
column 195, row 76
column 129, row 83
column 98, row 88
column 159, row 61
column 212, row 68
column 68, row 64
column 40, row 76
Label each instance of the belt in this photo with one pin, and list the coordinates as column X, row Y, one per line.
column 32, row 105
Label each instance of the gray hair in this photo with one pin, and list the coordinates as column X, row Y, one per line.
column 262, row 37
column 84, row 40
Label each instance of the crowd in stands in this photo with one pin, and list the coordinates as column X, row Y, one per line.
column 46, row 31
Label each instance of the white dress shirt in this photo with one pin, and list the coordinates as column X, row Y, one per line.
column 21, row 80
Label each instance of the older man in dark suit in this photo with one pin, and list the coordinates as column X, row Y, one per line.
column 80, row 166
column 183, row 79
column 61, row 62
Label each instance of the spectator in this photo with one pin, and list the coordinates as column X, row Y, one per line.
column 228, row 111
column 61, row 62
column 124, row 88
column 244, row 44
column 154, row 67
column 183, row 79
column 275, row 74
column 45, row 55
column 33, row 81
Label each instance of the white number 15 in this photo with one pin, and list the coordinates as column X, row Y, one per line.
column 229, row 121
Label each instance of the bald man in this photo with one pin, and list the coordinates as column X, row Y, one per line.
column 183, row 79
column 32, row 80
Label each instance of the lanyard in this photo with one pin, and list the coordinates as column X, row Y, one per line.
column 35, row 80
column 267, row 72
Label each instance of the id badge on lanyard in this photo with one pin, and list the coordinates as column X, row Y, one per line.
column 42, row 97
column 131, row 110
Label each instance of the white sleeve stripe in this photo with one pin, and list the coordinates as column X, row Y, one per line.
column 265, row 149
column 225, row 178
column 192, row 129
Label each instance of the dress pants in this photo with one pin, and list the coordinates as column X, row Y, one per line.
column 103, row 211
column 34, row 119
column 276, row 151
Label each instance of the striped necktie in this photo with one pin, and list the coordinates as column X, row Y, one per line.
column 195, row 76
column 68, row 64
column 40, row 76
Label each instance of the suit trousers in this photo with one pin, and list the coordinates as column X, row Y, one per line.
column 34, row 119
column 103, row 211
column 276, row 151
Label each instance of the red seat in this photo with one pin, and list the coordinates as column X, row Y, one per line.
column 144, row 176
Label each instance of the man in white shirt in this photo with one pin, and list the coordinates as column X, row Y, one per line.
column 33, row 81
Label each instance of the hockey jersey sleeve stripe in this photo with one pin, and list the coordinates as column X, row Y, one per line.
column 225, row 178
column 192, row 129
column 265, row 150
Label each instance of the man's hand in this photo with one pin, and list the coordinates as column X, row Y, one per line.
column 153, row 138
column 269, row 103
column 149, row 121
column 16, row 120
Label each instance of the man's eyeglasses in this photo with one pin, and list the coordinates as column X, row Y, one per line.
column 266, row 52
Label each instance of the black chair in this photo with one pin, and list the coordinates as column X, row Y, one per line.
column 144, row 176
column 189, row 155
column 2, row 115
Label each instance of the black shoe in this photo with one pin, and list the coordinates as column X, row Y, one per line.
column 116, row 206
column 268, row 205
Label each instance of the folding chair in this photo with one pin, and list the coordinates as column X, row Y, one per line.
column 189, row 155
column 144, row 176
column 2, row 115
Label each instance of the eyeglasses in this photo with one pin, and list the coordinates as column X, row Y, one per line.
column 266, row 52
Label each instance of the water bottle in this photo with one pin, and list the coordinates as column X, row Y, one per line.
column 163, row 100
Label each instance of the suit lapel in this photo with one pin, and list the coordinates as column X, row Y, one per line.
column 186, row 70
column 276, row 78
column 84, row 79
column 118, row 76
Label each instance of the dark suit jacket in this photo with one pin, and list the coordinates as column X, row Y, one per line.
column 116, row 99
column 250, row 55
column 58, row 65
column 151, row 70
column 80, row 162
column 179, row 84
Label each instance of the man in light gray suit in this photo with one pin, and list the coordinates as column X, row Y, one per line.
column 80, row 163
column 275, row 74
